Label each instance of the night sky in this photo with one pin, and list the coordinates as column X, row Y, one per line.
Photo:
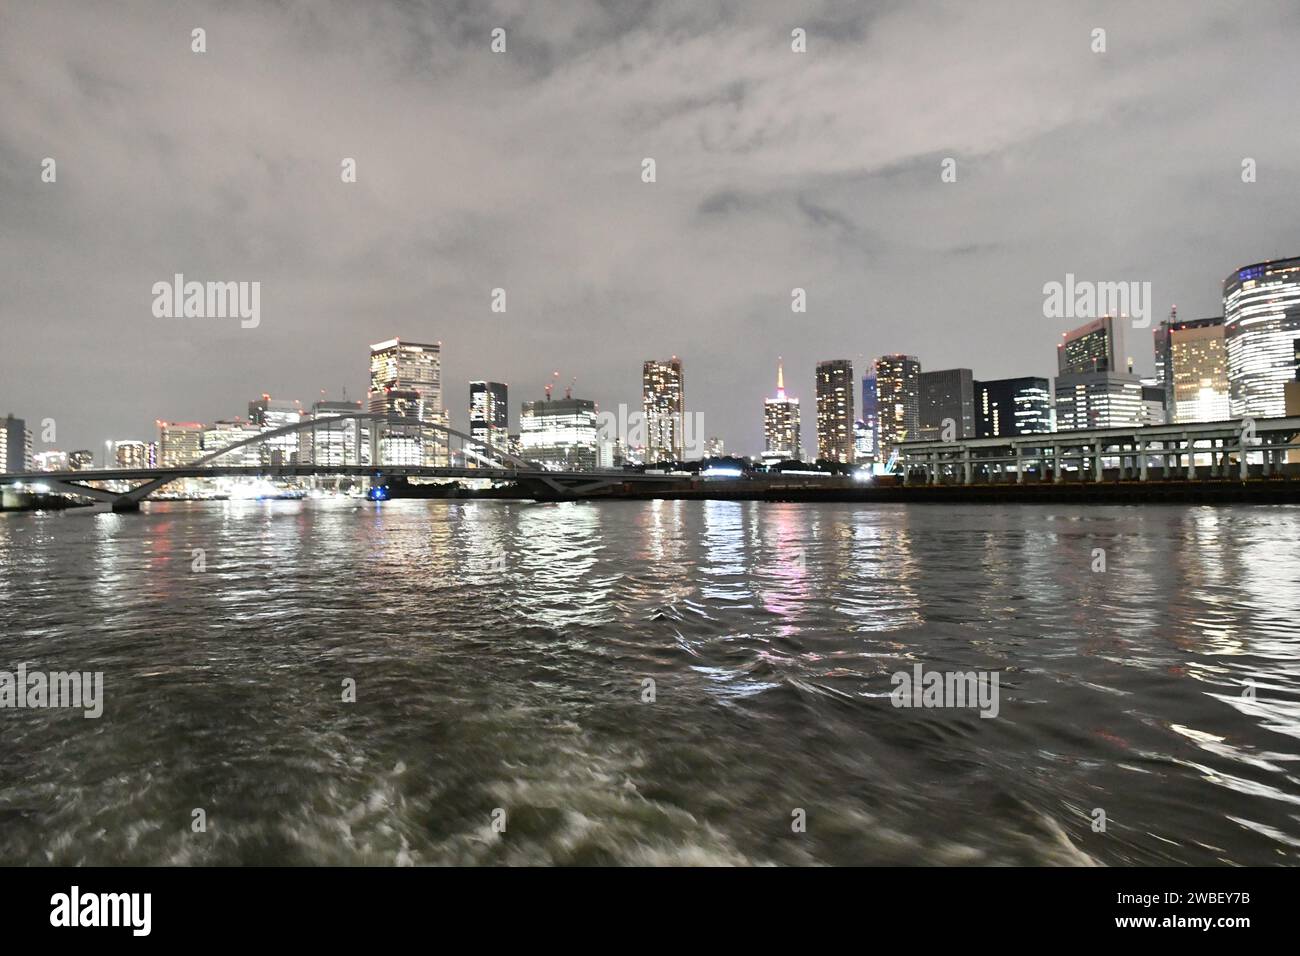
column 522, row 170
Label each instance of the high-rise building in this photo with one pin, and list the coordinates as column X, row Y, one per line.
column 1261, row 318
column 333, row 439
column 179, row 443
column 489, row 419
column 223, row 434
column 406, row 382
column 1013, row 406
column 898, row 401
column 663, row 404
column 268, row 414
column 781, row 424
column 867, row 428
column 947, row 395
column 559, row 434
column 132, row 454
column 1091, row 390
column 81, row 459
column 1089, row 348
column 15, row 445
column 1192, row 369
column 714, row 447
column 835, row 416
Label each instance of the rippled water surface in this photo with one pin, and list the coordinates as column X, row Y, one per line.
column 500, row 652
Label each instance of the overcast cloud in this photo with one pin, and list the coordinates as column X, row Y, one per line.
column 522, row 171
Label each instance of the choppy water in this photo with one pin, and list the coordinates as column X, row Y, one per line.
column 499, row 651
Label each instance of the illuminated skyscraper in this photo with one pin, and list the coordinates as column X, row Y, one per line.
column 268, row 414
column 835, row 411
column 344, row 441
column 1192, row 366
column 406, row 382
column 898, row 401
column 781, row 424
column 559, row 434
column 15, row 445
column 1091, row 389
column 662, row 402
column 1261, row 317
column 179, row 443
column 1013, row 406
column 489, row 418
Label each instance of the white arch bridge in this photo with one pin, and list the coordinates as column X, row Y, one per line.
column 360, row 459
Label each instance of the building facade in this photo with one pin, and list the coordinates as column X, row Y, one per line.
column 835, row 417
column 1192, row 367
column 947, row 395
column 15, row 445
column 267, row 414
column 489, row 418
column 1261, row 319
column 1013, row 406
column 333, row 439
column 406, row 382
column 179, row 443
column 663, row 404
column 1091, row 391
column 560, row 434
column 898, row 400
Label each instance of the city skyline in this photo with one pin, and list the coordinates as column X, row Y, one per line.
column 406, row 380
column 470, row 184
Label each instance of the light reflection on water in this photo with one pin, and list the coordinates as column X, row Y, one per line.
column 500, row 651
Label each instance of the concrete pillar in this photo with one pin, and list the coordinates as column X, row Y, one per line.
column 1020, row 464
column 1191, row 456
column 932, row 460
column 1056, row 461
column 1243, row 466
column 1096, row 460
column 968, row 473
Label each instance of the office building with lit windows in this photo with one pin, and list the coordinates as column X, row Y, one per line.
column 835, row 416
column 1192, row 368
column 134, row 454
column 1091, row 390
column 269, row 414
column 489, row 419
column 559, row 433
column 15, row 445
column 898, row 400
column 663, row 405
column 781, row 424
column 179, row 443
column 1261, row 320
column 406, row 382
column 1013, row 406
column 333, row 439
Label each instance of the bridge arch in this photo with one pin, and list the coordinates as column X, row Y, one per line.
column 315, row 423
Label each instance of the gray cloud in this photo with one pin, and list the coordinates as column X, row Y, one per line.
column 775, row 170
